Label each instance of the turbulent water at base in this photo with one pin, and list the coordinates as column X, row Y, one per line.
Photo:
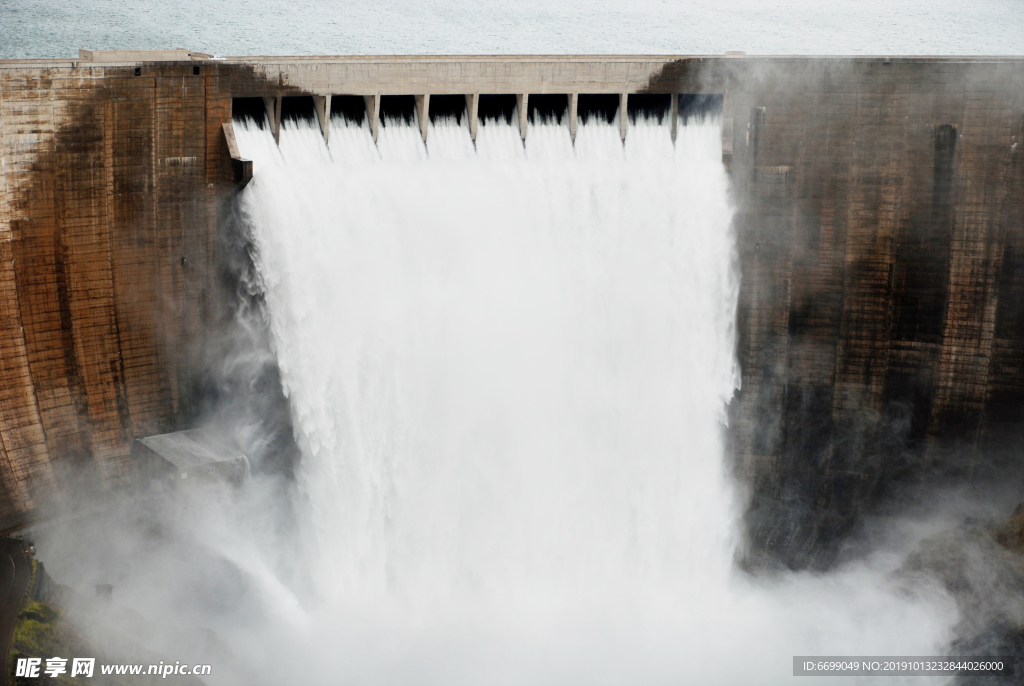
column 508, row 367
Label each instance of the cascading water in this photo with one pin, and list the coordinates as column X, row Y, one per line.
column 508, row 368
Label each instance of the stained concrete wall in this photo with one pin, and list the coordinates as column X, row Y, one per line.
column 879, row 230
column 106, row 252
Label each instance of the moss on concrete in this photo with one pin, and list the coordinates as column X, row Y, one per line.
column 43, row 631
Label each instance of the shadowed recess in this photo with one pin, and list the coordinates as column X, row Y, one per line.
column 401, row 108
column 650, row 106
column 699, row 105
column 351, row 107
column 298, row 108
column 599, row 106
column 447, row 106
column 250, row 108
column 495, row 107
column 548, row 108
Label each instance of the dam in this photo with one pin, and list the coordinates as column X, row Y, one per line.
column 879, row 227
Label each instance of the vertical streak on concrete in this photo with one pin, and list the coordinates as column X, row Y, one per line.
column 573, row 102
column 728, row 127
column 975, row 262
column 623, row 114
column 865, row 333
column 22, row 439
column 140, row 253
column 12, row 499
column 373, row 113
column 472, row 105
column 87, row 278
column 674, row 114
column 322, row 105
column 117, row 366
column 1004, row 409
column 179, row 118
column 764, row 302
column 423, row 114
column 523, row 104
column 160, row 234
column 45, row 293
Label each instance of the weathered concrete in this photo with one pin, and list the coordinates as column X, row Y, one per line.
column 623, row 119
column 574, row 100
column 472, row 107
column 373, row 111
column 323, row 115
column 880, row 229
column 242, row 166
column 106, row 263
column 422, row 113
column 273, row 105
column 523, row 107
column 879, row 236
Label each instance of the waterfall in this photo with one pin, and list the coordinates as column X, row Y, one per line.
column 508, row 366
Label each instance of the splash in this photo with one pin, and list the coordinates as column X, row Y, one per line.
column 508, row 367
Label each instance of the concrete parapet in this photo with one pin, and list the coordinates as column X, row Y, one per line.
column 127, row 56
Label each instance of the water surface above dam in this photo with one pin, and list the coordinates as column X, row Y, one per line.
column 41, row 28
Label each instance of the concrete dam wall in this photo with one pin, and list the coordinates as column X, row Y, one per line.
column 880, row 225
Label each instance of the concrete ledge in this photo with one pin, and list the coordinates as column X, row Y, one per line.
column 241, row 166
column 176, row 55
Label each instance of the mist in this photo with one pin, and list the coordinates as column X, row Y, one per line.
column 485, row 394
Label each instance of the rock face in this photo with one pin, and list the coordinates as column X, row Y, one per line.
column 880, row 238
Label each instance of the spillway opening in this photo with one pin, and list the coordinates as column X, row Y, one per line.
column 699, row 105
column 351, row 108
column 649, row 106
column 597, row 107
column 399, row 109
column 249, row 108
column 298, row 108
column 548, row 108
column 444, row 107
column 496, row 108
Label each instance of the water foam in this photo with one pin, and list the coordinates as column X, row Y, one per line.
column 508, row 370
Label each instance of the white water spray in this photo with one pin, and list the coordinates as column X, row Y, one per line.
column 508, row 372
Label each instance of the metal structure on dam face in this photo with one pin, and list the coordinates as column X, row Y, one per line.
column 879, row 222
